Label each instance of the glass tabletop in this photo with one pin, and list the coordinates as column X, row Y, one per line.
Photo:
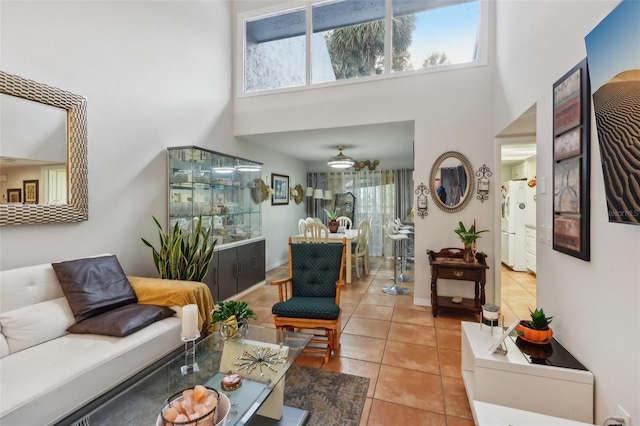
column 141, row 403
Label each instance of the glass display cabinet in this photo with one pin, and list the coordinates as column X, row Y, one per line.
column 218, row 187
column 227, row 192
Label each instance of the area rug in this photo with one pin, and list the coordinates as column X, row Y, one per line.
column 332, row 399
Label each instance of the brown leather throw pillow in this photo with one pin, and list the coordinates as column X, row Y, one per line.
column 122, row 321
column 94, row 285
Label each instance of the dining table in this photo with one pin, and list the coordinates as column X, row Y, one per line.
column 350, row 234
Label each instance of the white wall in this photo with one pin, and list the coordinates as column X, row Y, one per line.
column 279, row 221
column 155, row 74
column 595, row 303
column 451, row 111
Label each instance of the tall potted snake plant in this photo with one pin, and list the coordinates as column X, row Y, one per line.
column 183, row 255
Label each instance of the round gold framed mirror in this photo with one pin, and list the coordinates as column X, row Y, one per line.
column 451, row 181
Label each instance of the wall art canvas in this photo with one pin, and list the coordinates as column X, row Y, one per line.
column 571, row 172
column 566, row 194
column 14, row 195
column 568, row 144
column 567, row 232
column 280, row 185
column 566, row 103
column 613, row 48
column 30, row 190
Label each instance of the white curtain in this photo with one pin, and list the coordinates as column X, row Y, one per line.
column 375, row 200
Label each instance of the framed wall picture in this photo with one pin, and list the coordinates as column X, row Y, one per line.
column 14, row 195
column 347, row 205
column 280, row 184
column 30, row 189
column 571, row 172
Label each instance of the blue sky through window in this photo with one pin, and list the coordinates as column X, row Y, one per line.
column 451, row 29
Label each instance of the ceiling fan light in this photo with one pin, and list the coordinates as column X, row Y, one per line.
column 341, row 161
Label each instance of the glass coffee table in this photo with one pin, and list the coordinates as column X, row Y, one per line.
column 262, row 390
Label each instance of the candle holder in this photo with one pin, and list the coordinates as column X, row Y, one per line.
column 190, row 364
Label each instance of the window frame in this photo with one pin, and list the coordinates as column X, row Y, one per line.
column 242, row 18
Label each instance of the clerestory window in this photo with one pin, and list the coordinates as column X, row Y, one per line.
column 346, row 39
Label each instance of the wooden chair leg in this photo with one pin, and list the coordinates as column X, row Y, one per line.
column 330, row 340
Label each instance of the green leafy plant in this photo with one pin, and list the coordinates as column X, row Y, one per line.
column 334, row 214
column 225, row 310
column 539, row 321
column 468, row 236
column 183, row 255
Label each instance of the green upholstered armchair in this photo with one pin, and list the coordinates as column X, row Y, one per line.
column 310, row 297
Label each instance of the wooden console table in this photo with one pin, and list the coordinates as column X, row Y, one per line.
column 448, row 264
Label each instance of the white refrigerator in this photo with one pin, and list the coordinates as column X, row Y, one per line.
column 515, row 205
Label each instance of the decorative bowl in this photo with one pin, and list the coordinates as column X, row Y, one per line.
column 537, row 337
column 205, row 419
column 221, row 414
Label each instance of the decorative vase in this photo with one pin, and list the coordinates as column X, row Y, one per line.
column 468, row 255
column 538, row 337
column 232, row 330
column 333, row 226
column 490, row 315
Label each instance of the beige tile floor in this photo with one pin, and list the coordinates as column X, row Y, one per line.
column 411, row 358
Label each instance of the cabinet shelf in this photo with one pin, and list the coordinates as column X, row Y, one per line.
column 223, row 199
column 189, row 186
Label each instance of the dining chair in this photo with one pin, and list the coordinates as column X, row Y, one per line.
column 316, row 232
column 345, row 221
column 302, row 226
column 309, row 299
column 361, row 248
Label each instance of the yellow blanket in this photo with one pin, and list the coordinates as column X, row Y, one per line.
column 156, row 291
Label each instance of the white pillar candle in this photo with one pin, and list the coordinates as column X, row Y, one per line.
column 190, row 321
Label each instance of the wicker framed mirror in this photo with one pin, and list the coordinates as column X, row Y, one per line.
column 77, row 206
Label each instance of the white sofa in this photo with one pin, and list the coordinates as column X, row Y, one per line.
column 47, row 373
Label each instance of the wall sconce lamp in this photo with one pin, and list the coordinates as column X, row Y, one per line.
column 483, row 174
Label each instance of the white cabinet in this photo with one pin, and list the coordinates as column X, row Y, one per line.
column 510, row 380
column 519, row 171
column 530, row 256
